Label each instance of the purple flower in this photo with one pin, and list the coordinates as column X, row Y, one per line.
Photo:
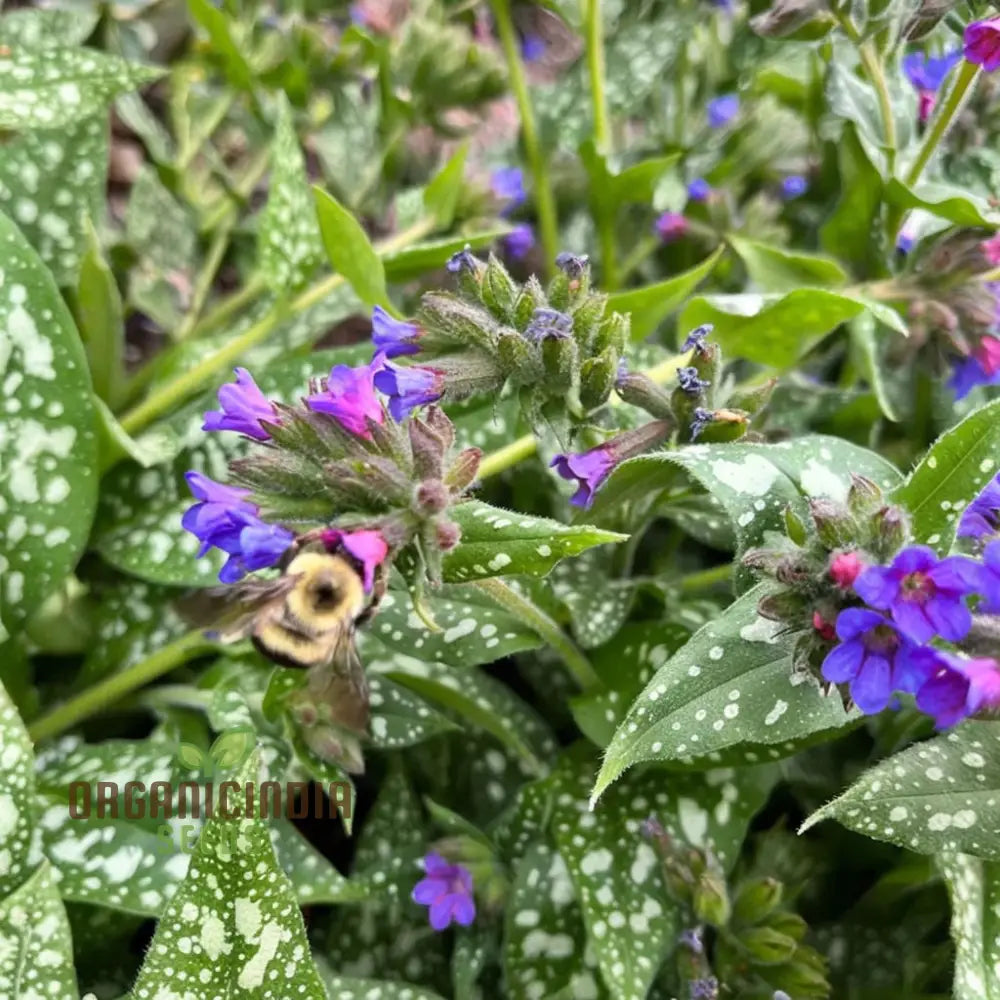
column 349, row 397
column 408, row 388
column 692, row 940
column 925, row 595
column 701, row 419
column 533, row 48
column 671, row 226
column 549, row 323
column 705, row 989
column 982, row 43
column 927, row 74
column 588, row 468
column 905, row 240
column 982, row 517
column 573, row 265
column 722, row 110
column 871, row 651
column 368, row 547
column 209, row 519
column 991, row 249
column 982, row 367
column 690, row 382
column 507, row 184
column 695, row 340
column 462, row 260
column 699, row 189
column 519, row 241
column 244, row 406
column 394, row 337
column 447, row 890
column 959, row 688
column 990, row 581
column 794, row 186
column 257, row 545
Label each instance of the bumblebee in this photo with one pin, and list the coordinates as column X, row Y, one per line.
column 305, row 619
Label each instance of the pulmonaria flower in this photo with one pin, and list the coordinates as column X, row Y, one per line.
column 825, row 629
column 690, row 382
column 572, row 265
column 447, row 891
column 244, row 406
column 349, row 397
column 871, row 651
column 507, row 184
column 548, row 323
column 588, row 468
column 982, row 517
column 257, row 545
column 722, row 110
column 692, row 940
column 991, row 249
column 794, row 186
column 906, row 239
column 519, row 241
column 990, row 580
column 462, row 260
column 844, row 569
column 394, row 337
column 533, row 48
column 925, row 595
column 671, row 226
column 927, row 73
column 699, row 189
column 701, row 419
column 367, row 546
column 705, row 989
column 408, row 388
column 695, row 340
column 210, row 518
column 982, row 43
column 959, row 688
column 982, row 367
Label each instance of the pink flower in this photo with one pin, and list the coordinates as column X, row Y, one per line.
column 671, row 226
column 991, row 249
column 349, row 397
column 368, row 547
column 982, row 43
column 844, row 569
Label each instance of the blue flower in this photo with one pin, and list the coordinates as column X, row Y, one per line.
column 257, row 546
column 925, row 595
column 243, row 407
column 447, row 892
column 695, row 340
column 690, row 382
column 549, row 323
column 959, row 688
column 982, row 367
column 533, row 48
column 870, row 653
column 929, row 72
column 462, row 260
column 794, row 186
column 408, row 388
column 982, row 517
column 588, row 468
column 701, row 419
column 722, row 110
column 573, row 265
column 905, row 240
column 990, row 583
column 507, row 184
column 394, row 337
column 699, row 189
column 519, row 241
column 705, row 989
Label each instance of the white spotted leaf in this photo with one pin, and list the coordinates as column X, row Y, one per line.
column 939, row 796
column 351, row 988
column 497, row 542
column 17, row 793
column 974, row 887
column 729, row 691
column 52, row 88
column 956, row 467
column 48, row 445
column 290, row 245
column 233, row 927
column 401, row 719
column 36, row 953
column 51, row 182
column 47, row 29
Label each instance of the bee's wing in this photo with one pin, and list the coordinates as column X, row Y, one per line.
column 341, row 684
column 232, row 611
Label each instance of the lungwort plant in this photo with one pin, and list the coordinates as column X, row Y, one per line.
column 500, row 500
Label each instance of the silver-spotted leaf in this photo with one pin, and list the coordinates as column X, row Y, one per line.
column 974, row 887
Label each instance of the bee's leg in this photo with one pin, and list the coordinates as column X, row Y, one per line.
column 378, row 592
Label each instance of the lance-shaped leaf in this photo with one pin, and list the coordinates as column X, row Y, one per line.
column 351, row 988
column 497, row 542
column 956, row 467
column 48, row 445
column 777, row 269
column 17, row 793
column 411, row 262
column 233, row 924
column 47, row 29
column 974, row 887
column 938, row 796
column 730, row 690
column 51, row 89
column 956, row 204
column 442, row 192
column 290, row 244
column 216, row 21
column 350, row 251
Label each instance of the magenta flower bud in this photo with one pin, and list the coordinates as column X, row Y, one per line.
column 408, row 388
column 244, row 406
column 446, row 890
column 982, row 43
column 367, row 547
column 844, row 569
column 448, row 535
column 991, row 249
column 394, row 337
column 671, row 226
column 349, row 397
column 927, row 73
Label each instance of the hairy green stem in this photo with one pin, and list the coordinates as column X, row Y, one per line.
column 545, row 204
column 544, row 627
column 60, row 718
column 706, row 578
column 594, row 28
column 873, row 67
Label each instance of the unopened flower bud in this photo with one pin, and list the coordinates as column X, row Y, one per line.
column 463, row 470
column 597, row 379
column 431, row 496
column 499, row 292
column 572, row 281
column 519, row 361
column 711, row 899
column 640, row 390
column 844, row 569
column 448, row 535
column 863, row 498
column 573, row 266
column 614, row 331
column 890, row 531
column 786, row 606
column 559, row 359
column 824, row 629
column 768, row 946
column 757, row 899
column 834, row 525
column 795, row 527
column 469, row 268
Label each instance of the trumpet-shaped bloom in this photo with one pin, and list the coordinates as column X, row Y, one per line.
column 959, row 688
column 408, row 388
column 394, row 337
column 349, row 397
column 243, row 407
column 519, row 241
column 588, row 468
column 982, row 517
column 982, row 43
column 446, row 890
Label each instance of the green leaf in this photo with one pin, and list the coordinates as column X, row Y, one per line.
column 17, row 793
column 937, row 796
column 290, row 245
column 777, row 269
column 401, row 719
column 635, row 185
column 47, row 29
column 100, row 319
column 865, row 339
column 952, row 203
column 731, row 691
column 55, row 88
column 497, row 542
column 473, row 629
column 974, row 887
column 773, row 330
column 351, row 988
column 48, row 445
column 412, row 262
column 597, row 604
column 36, row 953
column 349, row 250
column 954, row 470
column 50, row 182
column 239, row 908
column 651, row 305
column 442, row 193
column 216, row 22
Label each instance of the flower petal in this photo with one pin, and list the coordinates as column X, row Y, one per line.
column 842, row 662
column 873, row 685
